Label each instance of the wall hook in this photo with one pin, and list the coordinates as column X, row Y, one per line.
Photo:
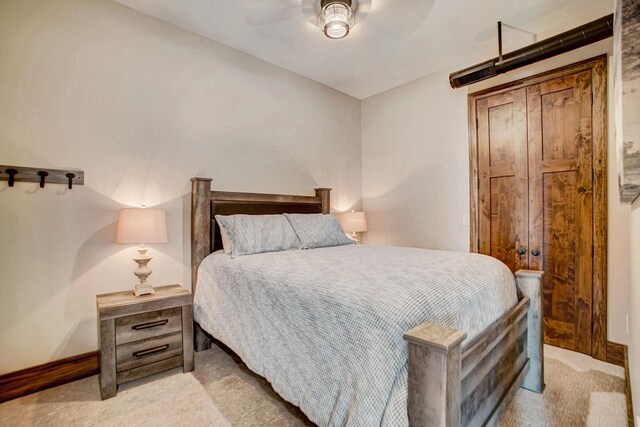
column 12, row 173
column 70, row 176
column 42, row 175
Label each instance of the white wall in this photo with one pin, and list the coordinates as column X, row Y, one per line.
column 415, row 167
column 141, row 106
column 634, row 308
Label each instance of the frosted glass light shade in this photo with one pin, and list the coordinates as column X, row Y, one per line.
column 141, row 225
column 353, row 222
column 336, row 19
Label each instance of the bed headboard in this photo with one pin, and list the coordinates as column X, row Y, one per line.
column 205, row 204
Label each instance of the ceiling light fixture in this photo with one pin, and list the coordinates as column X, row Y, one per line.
column 336, row 18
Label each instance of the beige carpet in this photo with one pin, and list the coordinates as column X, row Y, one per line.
column 223, row 392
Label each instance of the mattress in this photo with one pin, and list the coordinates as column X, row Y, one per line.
column 325, row 326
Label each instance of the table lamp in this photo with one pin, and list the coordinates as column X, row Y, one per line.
column 353, row 222
column 141, row 226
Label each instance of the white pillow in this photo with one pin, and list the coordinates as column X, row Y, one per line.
column 318, row 230
column 255, row 234
column 226, row 243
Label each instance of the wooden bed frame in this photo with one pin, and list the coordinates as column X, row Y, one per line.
column 447, row 386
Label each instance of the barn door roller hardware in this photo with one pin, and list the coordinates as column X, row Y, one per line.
column 584, row 35
column 42, row 176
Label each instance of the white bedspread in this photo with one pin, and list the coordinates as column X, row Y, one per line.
column 325, row 326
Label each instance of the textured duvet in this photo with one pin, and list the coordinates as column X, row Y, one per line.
column 325, row 326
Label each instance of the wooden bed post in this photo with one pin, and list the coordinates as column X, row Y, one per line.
column 200, row 224
column 324, row 194
column 200, row 242
column 435, row 361
column 529, row 284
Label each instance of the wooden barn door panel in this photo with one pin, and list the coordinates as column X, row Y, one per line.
column 502, row 170
column 561, row 205
column 547, row 192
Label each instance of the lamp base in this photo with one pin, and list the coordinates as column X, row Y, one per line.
column 142, row 272
column 353, row 236
column 143, row 289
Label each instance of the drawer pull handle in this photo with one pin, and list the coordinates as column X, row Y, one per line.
column 150, row 324
column 151, row 351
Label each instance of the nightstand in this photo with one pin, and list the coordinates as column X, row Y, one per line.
column 140, row 336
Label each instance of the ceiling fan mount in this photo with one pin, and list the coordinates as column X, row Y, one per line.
column 323, row 3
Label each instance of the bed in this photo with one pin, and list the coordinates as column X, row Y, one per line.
column 348, row 351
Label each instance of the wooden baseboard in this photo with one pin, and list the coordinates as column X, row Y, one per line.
column 627, row 388
column 618, row 354
column 615, row 353
column 27, row 381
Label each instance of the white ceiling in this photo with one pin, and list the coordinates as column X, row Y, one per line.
column 393, row 41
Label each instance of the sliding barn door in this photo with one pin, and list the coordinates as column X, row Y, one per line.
column 561, row 205
column 535, row 198
column 503, row 180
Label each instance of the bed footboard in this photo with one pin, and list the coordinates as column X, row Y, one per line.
column 448, row 387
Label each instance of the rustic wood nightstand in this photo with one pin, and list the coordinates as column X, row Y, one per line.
column 140, row 336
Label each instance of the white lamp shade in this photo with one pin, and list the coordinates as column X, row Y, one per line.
column 141, row 225
column 353, row 222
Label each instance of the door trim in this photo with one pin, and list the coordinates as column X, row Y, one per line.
column 598, row 67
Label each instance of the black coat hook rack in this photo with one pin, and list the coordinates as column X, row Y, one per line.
column 42, row 176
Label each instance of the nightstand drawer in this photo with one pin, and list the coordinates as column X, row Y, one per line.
column 150, row 369
column 139, row 353
column 148, row 325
